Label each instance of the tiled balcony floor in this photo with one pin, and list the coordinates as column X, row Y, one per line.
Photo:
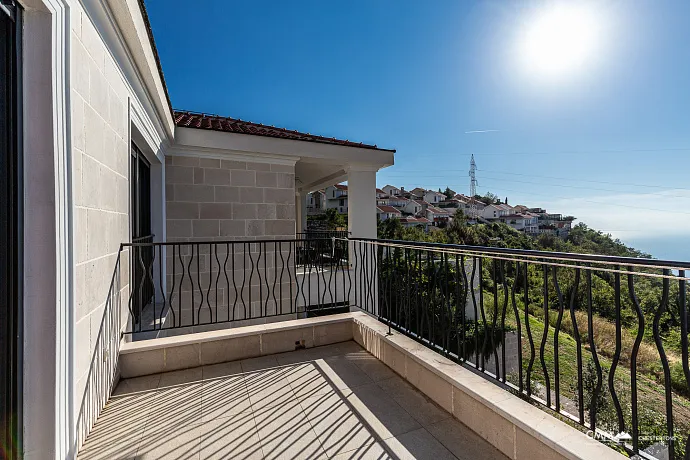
column 336, row 402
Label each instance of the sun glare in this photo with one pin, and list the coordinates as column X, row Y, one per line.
column 560, row 39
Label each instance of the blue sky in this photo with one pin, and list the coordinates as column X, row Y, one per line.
column 607, row 141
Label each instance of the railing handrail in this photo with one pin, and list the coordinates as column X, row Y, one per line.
column 616, row 260
column 173, row 243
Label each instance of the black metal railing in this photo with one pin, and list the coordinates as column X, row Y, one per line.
column 322, row 234
column 600, row 340
column 205, row 285
column 145, row 287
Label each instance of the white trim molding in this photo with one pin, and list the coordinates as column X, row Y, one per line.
column 219, row 154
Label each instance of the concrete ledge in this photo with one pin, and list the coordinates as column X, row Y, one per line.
column 192, row 350
column 518, row 429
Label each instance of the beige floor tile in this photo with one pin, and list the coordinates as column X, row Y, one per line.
column 233, row 437
column 417, row 404
column 144, row 384
column 309, row 379
column 337, row 426
column 181, row 442
column 260, row 363
column 463, row 442
column 384, row 416
column 349, row 347
column 179, row 378
column 374, row 451
column 224, row 396
column 308, row 354
column 221, row 370
column 345, row 371
column 269, row 388
column 285, row 433
column 418, row 444
column 375, row 369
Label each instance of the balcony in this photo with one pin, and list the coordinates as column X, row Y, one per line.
column 434, row 350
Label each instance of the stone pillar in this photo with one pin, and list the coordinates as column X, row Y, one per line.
column 361, row 220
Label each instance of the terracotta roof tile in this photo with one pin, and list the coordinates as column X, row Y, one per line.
column 235, row 125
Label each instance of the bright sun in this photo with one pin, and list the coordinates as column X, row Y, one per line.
column 560, row 39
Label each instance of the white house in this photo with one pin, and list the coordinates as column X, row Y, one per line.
column 413, row 207
column 387, row 212
column 316, row 202
column 97, row 157
column 397, row 201
column 415, row 221
column 434, row 197
column 437, row 216
column 382, row 198
column 391, row 190
column 336, row 198
column 495, row 211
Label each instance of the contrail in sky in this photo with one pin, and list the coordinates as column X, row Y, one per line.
column 482, row 131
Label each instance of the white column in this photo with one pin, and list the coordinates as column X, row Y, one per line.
column 301, row 211
column 361, row 220
column 361, row 197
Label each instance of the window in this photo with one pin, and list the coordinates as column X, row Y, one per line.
column 11, row 228
column 142, row 256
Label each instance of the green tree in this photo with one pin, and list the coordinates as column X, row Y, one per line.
column 448, row 193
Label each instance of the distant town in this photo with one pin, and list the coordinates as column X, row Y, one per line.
column 433, row 210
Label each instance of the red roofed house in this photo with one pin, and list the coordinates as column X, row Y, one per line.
column 437, row 216
column 387, row 212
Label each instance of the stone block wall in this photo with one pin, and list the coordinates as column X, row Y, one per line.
column 231, row 204
column 228, row 200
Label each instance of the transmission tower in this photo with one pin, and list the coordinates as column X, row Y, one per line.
column 473, row 188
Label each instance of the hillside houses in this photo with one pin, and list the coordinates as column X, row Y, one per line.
column 429, row 208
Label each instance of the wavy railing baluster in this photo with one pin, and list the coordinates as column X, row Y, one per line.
column 179, row 296
column 532, row 355
column 210, row 281
column 616, row 353
column 516, row 312
column 633, row 360
column 494, row 319
column 332, row 266
column 268, row 287
column 475, row 262
column 227, row 280
column 448, row 323
column 259, row 248
column 503, row 318
column 595, row 358
column 481, row 310
column 578, row 343
column 140, row 306
column 198, row 282
column 545, row 336
column 275, row 280
column 191, row 280
column 664, row 362
column 465, row 296
column 172, row 289
column 293, row 306
column 161, row 284
column 684, row 339
column 355, row 245
column 556, row 350
column 215, row 248
column 244, row 277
